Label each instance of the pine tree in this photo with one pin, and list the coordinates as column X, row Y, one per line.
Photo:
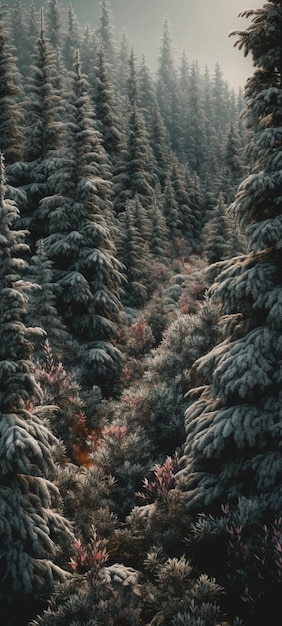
column 80, row 245
column 53, row 17
column 43, row 106
column 166, row 83
column 21, row 37
column 105, row 33
column 135, row 169
column 234, row 164
column 32, row 529
column 41, row 310
column 134, row 255
column 217, row 233
column 172, row 216
column 71, row 39
column 234, row 429
column 11, row 118
column 108, row 122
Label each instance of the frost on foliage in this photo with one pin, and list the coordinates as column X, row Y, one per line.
column 32, row 530
column 233, row 429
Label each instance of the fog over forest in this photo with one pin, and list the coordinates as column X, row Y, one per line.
column 199, row 27
column 140, row 314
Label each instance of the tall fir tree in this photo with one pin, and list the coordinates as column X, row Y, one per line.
column 43, row 107
column 166, row 81
column 11, row 97
column 233, row 444
column 32, row 529
column 79, row 243
column 108, row 122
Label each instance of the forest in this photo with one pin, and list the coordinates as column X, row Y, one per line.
column 140, row 327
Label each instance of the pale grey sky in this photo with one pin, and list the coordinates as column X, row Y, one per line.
column 200, row 27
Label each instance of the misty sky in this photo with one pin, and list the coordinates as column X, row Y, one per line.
column 200, row 27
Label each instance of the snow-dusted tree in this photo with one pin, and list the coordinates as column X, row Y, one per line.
column 108, row 122
column 21, row 37
column 187, row 220
column 233, row 445
column 89, row 50
column 72, row 38
column 147, row 92
column 54, row 23
column 217, row 233
column 43, row 140
column 194, row 143
column 32, row 530
column 171, row 214
column 159, row 140
column 80, row 246
column 105, row 33
column 166, row 80
column 158, row 244
column 11, row 118
column 41, row 310
column 234, row 166
column 134, row 255
column 122, row 73
column 135, row 169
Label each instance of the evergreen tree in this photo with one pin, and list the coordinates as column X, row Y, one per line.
column 135, row 169
column 147, row 93
column 89, row 51
column 166, row 80
column 80, row 246
column 41, row 310
column 108, row 122
column 54, row 25
column 11, row 119
column 194, row 133
column 160, row 145
column 71, row 39
column 217, row 233
column 186, row 217
column 32, row 529
column 43, row 106
column 21, row 37
column 134, row 255
column 234, row 429
column 158, row 244
column 234, row 164
column 172, row 217
column 105, row 33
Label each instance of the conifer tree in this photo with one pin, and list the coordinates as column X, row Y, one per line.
column 234, row 164
column 135, row 169
column 166, row 83
column 134, row 255
column 41, row 310
column 122, row 74
column 105, row 33
column 171, row 214
column 233, row 445
column 32, row 530
column 159, row 140
column 217, row 233
column 43, row 141
column 71, row 38
column 54, row 25
column 147, row 93
column 194, row 142
column 21, row 37
column 108, row 122
column 80, row 245
column 11, row 118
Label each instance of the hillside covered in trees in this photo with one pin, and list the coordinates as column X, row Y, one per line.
column 140, row 328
